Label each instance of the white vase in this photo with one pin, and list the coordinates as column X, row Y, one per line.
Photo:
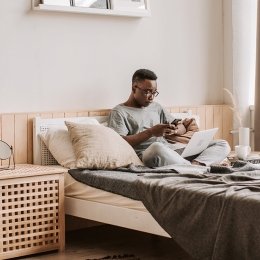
column 244, row 136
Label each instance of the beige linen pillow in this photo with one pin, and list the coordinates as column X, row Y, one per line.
column 100, row 147
column 59, row 144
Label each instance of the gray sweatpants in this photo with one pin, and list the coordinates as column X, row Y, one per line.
column 159, row 154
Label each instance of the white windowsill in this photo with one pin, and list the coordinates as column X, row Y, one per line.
column 84, row 10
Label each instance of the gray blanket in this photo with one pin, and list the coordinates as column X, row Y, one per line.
column 212, row 216
column 122, row 180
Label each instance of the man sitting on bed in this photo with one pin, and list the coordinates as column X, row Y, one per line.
column 144, row 123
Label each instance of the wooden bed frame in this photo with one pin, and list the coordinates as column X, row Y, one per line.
column 17, row 130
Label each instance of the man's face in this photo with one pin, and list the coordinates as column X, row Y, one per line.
column 144, row 92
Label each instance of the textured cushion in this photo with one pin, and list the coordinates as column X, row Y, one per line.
column 58, row 142
column 100, row 147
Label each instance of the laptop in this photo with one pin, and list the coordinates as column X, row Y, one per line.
column 199, row 142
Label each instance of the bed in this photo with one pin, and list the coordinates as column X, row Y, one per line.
column 213, row 214
column 91, row 203
column 17, row 130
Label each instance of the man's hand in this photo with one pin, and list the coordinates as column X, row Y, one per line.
column 157, row 130
column 179, row 129
column 162, row 129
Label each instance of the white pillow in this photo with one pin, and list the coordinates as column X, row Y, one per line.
column 100, row 147
column 58, row 142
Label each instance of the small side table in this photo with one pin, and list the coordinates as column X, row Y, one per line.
column 31, row 210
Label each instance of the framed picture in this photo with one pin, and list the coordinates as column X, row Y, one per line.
column 56, row 2
column 129, row 5
column 101, row 4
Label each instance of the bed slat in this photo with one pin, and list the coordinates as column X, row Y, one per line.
column 20, row 137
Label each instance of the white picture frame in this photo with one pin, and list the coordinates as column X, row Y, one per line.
column 100, row 4
column 129, row 5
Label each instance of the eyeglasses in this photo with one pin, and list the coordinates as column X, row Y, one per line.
column 148, row 92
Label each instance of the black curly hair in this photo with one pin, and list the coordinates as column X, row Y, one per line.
column 143, row 74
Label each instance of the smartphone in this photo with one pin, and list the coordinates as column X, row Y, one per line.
column 175, row 121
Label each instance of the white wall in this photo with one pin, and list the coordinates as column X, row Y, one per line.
column 244, row 54
column 239, row 54
column 60, row 61
column 228, row 48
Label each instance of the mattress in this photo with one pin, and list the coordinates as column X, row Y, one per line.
column 75, row 189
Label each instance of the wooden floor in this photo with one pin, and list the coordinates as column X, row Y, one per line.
column 107, row 241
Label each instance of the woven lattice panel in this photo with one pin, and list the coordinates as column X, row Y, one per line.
column 29, row 214
column 47, row 157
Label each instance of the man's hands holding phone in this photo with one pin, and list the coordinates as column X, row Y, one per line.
column 168, row 129
column 162, row 129
column 180, row 128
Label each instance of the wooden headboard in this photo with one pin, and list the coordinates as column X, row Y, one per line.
column 17, row 129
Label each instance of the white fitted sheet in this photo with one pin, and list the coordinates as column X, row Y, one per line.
column 80, row 190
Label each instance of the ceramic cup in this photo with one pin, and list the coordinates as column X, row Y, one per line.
column 242, row 151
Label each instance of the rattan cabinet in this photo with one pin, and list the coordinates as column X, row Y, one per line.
column 31, row 210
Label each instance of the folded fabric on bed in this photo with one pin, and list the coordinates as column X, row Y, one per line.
column 238, row 166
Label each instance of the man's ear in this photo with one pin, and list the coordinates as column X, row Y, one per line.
column 133, row 87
